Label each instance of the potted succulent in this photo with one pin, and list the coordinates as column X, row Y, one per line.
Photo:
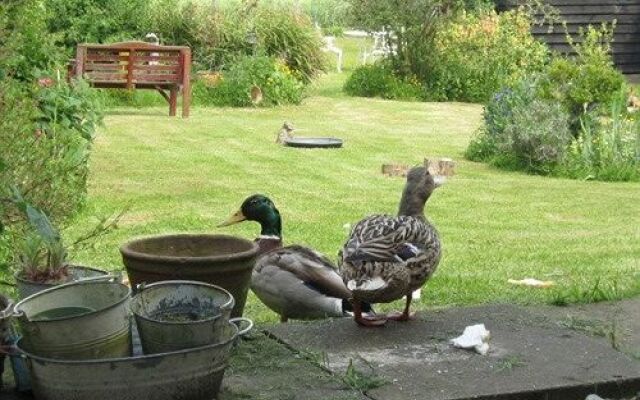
column 41, row 259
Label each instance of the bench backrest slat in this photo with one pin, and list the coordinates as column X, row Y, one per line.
column 131, row 63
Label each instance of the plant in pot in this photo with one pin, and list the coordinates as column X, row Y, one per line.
column 41, row 258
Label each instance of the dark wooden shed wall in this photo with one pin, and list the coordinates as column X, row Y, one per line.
column 582, row 13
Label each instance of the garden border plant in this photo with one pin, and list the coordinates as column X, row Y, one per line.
column 589, row 94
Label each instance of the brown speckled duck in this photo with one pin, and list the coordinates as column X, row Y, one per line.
column 389, row 257
column 294, row 281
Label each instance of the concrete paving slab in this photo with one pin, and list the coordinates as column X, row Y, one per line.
column 531, row 357
column 616, row 321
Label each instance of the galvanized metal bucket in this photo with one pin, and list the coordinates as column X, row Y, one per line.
column 176, row 315
column 193, row 374
column 79, row 320
column 76, row 273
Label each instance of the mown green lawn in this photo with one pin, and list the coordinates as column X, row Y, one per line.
column 187, row 175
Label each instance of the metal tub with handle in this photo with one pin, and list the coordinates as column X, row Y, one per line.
column 191, row 374
column 80, row 320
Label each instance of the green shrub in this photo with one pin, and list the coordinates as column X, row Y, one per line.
column 276, row 81
column 414, row 23
column 26, row 47
column 498, row 114
column 477, row 54
column 45, row 159
column 584, row 81
column 71, row 107
column 537, row 136
column 96, row 21
column 522, row 131
column 606, row 148
column 379, row 80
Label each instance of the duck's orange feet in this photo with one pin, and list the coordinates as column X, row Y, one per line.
column 370, row 321
column 401, row 316
column 405, row 315
column 366, row 320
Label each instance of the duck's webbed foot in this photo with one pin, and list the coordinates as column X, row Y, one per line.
column 405, row 315
column 370, row 321
column 401, row 316
column 367, row 320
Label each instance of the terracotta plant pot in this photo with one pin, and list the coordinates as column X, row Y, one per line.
column 221, row 260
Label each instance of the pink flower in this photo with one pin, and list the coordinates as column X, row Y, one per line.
column 45, row 82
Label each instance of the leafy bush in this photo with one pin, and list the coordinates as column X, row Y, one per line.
column 414, row 24
column 607, row 148
column 537, row 136
column 498, row 114
column 586, row 80
column 379, row 80
column 26, row 47
column 276, row 81
column 96, row 21
column 477, row 54
column 522, row 131
column 49, row 166
column 569, row 120
column 72, row 107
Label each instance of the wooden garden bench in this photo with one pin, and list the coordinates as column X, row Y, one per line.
column 137, row 65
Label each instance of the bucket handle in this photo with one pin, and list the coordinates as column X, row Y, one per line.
column 238, row 321
column 17, row 313
column 8, row 311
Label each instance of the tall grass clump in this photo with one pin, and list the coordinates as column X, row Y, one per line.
column 608, row 146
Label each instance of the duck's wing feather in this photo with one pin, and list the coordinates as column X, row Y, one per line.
column 309, row 266
column 388, row 238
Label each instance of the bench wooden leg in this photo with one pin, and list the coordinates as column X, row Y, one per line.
column 186, row 100
column 173, row 101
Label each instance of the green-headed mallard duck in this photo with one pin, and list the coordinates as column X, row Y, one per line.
column 294, row 281
column 388, row 257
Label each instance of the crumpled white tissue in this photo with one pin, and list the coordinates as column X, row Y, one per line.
column 474, row 337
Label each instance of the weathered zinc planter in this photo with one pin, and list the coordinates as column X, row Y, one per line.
column 78, row 320
column 76, row 273
column 176, row 315
column 192, row 374
column 221, row 260
column 5, row 313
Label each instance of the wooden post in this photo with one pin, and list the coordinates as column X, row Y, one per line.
column 81, row 52
column 395, row 169
column 442, row 166
column 173, row 101
column 186, row 83
column 130, row 59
